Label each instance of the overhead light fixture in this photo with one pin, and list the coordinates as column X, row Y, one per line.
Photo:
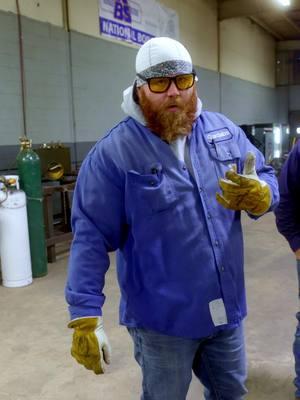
column 285, row 3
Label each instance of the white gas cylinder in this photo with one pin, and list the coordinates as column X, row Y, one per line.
column 14, row 239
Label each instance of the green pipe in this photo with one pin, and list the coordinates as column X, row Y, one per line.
column 29, row 168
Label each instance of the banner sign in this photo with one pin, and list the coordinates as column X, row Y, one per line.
column 136, row 21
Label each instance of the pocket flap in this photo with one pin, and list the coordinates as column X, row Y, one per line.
column 227, row 150
column 153, row 191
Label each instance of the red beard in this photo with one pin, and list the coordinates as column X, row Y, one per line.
column 169, row 125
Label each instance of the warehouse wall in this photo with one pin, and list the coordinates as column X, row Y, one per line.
column 288, row 78
column 247, row 51
column 41, row 10
column 294, row 97
column 74, row 82
column 248, row 103
column 197, row 19
column 48, row 105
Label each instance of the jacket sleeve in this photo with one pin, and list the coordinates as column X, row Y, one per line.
column 98, row 224
column 265, row 172
column 288, row 211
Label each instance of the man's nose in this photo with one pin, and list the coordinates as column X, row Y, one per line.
column 173, row 91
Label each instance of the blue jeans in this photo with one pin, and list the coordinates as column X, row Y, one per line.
column 167, row 363
column 296, row 345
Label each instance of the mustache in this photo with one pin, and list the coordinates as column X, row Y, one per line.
column 173, row 102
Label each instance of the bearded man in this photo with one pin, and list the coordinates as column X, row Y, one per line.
column 154, row 189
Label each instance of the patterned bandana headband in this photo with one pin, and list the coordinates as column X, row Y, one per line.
column 162, row 56
column 167, row 68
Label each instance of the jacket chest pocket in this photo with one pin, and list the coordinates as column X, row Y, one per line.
column 225, row 154
column 149, row 193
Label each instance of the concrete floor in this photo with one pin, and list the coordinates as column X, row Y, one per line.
column 34, row 341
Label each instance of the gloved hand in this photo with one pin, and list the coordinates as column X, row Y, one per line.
column 90, row 345
column 245, row 191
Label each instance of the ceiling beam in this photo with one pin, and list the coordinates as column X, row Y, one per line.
column 245, row 8
column 293, row 24
column 267, row 28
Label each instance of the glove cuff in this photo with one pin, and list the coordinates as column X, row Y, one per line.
column 85, row 324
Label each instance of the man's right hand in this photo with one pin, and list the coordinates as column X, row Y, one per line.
column 245, row 191
column 90, row 345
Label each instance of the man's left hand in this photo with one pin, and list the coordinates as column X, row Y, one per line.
column 245, row 191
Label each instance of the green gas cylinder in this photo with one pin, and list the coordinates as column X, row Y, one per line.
column 29, row 168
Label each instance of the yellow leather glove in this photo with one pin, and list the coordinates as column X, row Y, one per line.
column 90, row 345
column 245, row 191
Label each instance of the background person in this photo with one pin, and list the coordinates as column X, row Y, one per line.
column 288, row 224
column 148, row 189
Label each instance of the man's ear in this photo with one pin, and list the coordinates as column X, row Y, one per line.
column 135, row 94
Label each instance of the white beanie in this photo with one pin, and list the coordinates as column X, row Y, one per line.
column 162, row 56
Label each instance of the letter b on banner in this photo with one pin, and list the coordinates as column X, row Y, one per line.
column 122, row 11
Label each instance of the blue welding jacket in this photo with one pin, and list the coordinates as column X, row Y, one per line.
column 288, row 211
column 179, row 253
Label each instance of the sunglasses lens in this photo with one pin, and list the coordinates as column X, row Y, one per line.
column 185, row 81
column 158, row 85
column 161, row 84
